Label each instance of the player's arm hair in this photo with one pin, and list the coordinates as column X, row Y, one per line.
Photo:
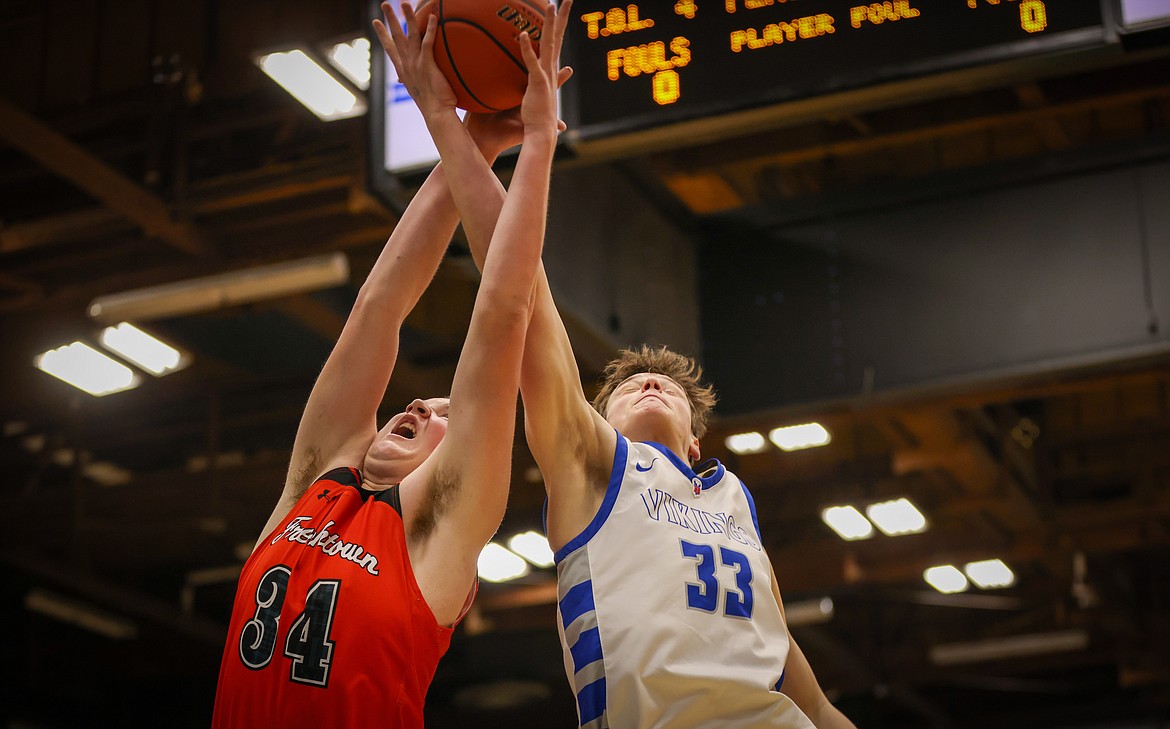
column 339, row 419
column 800, row 684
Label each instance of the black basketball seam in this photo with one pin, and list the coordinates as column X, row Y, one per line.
column 455, row 67
column 534, row 6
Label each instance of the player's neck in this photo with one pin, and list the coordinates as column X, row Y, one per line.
column 674, row 444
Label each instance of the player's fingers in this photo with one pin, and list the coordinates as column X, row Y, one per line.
column 409, row 18
column 560, row 24
column 391, row 20
column 564, row 75
column 428, row 41
column 388, row 44
column 528, row 53
column 547, row 39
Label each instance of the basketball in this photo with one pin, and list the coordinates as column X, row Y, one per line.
column 477, row 51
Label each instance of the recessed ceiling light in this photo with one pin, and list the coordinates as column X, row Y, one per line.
column 353, row 60
column 947, row 579
column 742, row 443
column 990, row 573
column 87, row 369
column 799, row 437
column 533, row 547
column 497, row 564
column 848, row 522
column 896, row 517
column 133, row 344
column 312, row 85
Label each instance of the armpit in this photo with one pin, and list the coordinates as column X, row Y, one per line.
column 302, row 473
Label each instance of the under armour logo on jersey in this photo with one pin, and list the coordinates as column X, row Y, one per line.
column 325, row 495
column 644, row 469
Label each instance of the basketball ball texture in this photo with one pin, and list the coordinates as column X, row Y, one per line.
column 477, row 51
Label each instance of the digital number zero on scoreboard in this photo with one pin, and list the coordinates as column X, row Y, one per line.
column 639, row 64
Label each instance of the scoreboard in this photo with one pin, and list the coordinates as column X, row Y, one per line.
column 644, row 64
column 649, row 62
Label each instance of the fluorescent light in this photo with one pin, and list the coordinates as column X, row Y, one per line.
column 1016, row 646
column 798, row 437
column 152, row 355
column 81, row 614
column 533, row 547
column 847, row 522
column 210, row 293
column 896, row 517
column 87, row 369
column 990, row 573
column 311, row 85
column 497, row 564
column 742, row 443
column 353, row 60
column 947, row 579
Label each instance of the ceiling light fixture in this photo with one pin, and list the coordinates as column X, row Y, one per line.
column 743, row 443
column 946, row 578
column 307, row 80
column 87, row 369
column 222, row 290
column 799, row 437
column 897, row 517
column 133, row 344
column 533, row 547
column 848, row 522
column 990, row 573
column 497, row 564
column 352, row 58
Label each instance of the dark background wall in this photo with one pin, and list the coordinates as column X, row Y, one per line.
column 1007, row 281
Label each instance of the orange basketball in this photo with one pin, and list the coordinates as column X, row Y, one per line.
column 477, row 51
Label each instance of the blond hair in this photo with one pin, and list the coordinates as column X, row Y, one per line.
column 660, row 361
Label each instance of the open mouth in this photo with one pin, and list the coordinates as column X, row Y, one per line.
column 405, row 429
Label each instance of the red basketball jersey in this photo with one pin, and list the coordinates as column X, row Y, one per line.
column 329, row 628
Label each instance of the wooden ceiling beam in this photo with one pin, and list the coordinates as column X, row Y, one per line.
column 95, row 177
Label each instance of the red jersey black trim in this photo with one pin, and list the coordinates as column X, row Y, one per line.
column 343, row 476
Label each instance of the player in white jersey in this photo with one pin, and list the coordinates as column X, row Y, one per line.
column 669, row 612
column 668, row 608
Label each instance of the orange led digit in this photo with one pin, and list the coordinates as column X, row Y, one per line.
column 666, row 87
column 1033, row 16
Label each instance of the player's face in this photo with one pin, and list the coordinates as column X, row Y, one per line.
column 648, row 406
column 408, row 438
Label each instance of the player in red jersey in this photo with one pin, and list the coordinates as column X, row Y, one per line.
column 369, row 558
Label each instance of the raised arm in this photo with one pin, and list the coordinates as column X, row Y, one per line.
column 339, row 420
column 572, row 444
column 455, row 502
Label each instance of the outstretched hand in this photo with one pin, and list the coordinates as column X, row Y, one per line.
column 413, row 56
column 496, row 131
column 538, row 111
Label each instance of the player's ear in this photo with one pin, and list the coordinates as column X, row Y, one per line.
column 693, row 450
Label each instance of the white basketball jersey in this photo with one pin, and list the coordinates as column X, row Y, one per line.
column 665, row 604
